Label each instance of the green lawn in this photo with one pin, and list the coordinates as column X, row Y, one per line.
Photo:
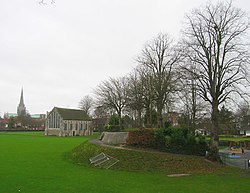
column 33, row 163
column 234, row 138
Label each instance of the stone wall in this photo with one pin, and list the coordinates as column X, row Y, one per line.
column 52, row 131
column 114, row 138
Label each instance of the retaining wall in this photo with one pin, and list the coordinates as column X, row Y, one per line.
column 114, row 138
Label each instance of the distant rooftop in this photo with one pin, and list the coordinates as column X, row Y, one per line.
column 34, row 116
column 72, row 114
column 10, row 114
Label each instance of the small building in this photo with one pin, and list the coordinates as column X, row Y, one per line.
column 202, row 132
column 67, row 122
column 245, row 131
column 2, row 123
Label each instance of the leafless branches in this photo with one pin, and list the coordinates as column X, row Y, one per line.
column 44, row 2
column 86, row 104
column 214, row 39
column 113, row 93
column 160, row 57
column 215, row 45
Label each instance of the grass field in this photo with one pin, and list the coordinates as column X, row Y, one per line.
column 33, row 163
column 234, row 138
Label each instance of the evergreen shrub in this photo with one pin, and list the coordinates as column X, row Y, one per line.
column 113, row 124
column 112, row 128
column 172, row 139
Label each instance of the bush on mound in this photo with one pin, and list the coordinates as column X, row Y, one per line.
column 174, row 140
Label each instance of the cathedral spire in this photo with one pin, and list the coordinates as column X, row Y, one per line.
column 21, row 99
column 21, row 109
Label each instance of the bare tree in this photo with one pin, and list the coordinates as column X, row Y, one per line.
column 190, row 102
column 192, row 105
column 141, row 95
column 243, row 116
column 135, row 96
column 113, row 94
column 159, row 57
column 86, row 104
column 214, row 41
column 148, row 95
column 44, row 2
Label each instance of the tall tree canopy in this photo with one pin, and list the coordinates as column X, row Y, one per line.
column 159, row 58
column 86, row 104
column 215, row 45
column 113, row 94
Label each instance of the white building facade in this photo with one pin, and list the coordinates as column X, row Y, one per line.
column 67, row 122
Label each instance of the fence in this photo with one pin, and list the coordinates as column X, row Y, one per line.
column 235, row 160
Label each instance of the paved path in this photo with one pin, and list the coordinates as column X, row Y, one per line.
column 101, row 143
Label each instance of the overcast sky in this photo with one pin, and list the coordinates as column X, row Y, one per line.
column 60, row 52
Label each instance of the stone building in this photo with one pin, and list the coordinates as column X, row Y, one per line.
column 67, row 122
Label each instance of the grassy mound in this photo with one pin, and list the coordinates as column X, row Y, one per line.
column 134, row 160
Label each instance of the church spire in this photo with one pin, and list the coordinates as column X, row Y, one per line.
column 21, row 99
column 21, row 109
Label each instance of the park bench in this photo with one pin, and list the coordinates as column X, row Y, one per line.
column 98, row 159
column 103, row 160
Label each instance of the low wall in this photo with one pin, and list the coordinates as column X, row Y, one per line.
column 19, row 130
column 114, row 138
column 53, row 132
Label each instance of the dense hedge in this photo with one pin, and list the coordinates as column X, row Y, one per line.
column 174, row 140
column 180, row 140
column 141, row 138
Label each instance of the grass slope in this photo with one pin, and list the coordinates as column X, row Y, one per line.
column 33, row 163
column 145, row 161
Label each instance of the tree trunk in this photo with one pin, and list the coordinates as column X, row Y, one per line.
column 159, row 116
column 147, row 116
column 139, row 122
column 213, row 153
column 120, row 120
column 194, row 107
